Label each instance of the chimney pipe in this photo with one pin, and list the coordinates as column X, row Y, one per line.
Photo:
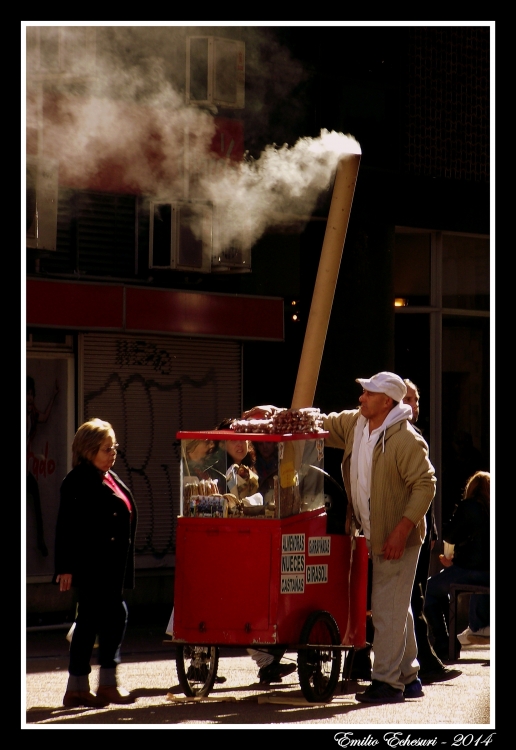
column 326, row 281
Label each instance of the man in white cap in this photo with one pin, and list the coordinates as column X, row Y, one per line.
column 391, row 483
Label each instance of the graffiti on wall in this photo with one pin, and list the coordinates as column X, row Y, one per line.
column 145, row 390
column 46, row 456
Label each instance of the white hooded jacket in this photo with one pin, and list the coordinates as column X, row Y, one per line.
column 360, row 471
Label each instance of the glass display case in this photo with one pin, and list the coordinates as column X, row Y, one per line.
column 230, row 474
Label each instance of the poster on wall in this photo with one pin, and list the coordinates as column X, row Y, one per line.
column 47, row 448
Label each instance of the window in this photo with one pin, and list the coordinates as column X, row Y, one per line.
column 412, row 268
column 465, row 272
column 442, row 343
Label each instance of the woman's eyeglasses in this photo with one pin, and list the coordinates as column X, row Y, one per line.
column 111, row 449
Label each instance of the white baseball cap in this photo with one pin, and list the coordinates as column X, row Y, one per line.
column 385, row 382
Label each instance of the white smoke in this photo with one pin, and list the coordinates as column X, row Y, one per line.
column 281, row 187
column 128, row 125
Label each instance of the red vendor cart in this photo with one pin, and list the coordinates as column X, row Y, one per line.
column 272, row 574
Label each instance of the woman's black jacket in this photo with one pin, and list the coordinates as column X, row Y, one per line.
column 469, row 531
column 95, row 532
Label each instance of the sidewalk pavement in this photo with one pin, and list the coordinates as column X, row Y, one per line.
column 148, row 670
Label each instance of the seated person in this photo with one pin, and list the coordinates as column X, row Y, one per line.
column 236, row 463
column 198, row 455
column 468, row 531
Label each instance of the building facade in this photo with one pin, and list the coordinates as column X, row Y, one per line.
column 165, row 291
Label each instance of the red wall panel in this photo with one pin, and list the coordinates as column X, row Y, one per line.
column 204, row 314
column 71, row 305
column 108, row 306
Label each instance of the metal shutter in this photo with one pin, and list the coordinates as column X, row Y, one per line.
column 95, row 234
column 148, row 388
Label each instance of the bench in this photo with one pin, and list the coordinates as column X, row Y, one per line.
column 456, row 589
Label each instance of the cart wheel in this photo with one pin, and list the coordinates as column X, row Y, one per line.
column 319, row 667
column 197, row 668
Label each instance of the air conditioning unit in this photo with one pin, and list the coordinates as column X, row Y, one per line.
column 41, row 195
column 180, row 235
column 215, row 72
column 233, row 256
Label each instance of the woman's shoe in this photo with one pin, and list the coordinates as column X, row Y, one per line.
column 82, row 698
column 114, row 694
column 479, row 637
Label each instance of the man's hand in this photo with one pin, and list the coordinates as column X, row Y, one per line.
column 395, row 543
column 260, row 412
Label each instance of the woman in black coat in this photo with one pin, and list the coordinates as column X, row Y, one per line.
column 469, row 531
column 94, row 552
